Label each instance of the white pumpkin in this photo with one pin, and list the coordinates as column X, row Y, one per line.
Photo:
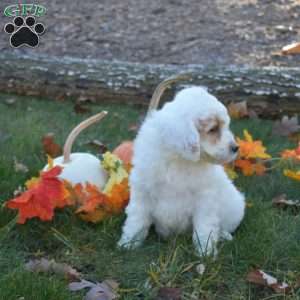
column 81, row 167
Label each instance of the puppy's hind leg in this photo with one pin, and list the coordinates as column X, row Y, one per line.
column 137, row 223
column 206, row 231
column 233, row 209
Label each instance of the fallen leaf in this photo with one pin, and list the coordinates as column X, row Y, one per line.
column 133, row 127
column 291, row 153
column 20, row 167
column 44, row 265
column 238, row 110
column 249, row 168
column 281, row 202
column 292, row 174
column 80, row 109
column 100, row 147
column 259, row 277
column 90, row 197
column 293, row 48
column 42, row 196
column 85, row 99
column 248, row 148
column 169, row 293
column 286, row 126
column 106, row 290
column 50, row 147
column 80, row 285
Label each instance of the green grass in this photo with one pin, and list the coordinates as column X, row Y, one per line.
column 268, row 238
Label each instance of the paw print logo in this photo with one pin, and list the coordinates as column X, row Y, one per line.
column 24, row 32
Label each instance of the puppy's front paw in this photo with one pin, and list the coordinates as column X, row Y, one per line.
column 205, row 245
column 128, row 244
column 208, row 250
column 225, row 235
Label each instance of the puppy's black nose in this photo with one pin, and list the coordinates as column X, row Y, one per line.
column 234, row 148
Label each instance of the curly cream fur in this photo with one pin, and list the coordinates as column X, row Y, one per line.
column 178, row 181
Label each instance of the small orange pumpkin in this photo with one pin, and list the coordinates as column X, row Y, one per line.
column 125, row 152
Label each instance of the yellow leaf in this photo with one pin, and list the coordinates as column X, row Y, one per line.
column 247, row 136
column 230, row 172
column 292, row 174
column 50, row 162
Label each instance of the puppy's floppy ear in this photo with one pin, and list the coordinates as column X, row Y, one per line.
column 182, row 137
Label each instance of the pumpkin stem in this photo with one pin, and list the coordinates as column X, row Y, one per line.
column 154, row 102
column 76, row 131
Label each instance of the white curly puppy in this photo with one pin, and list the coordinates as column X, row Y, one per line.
column 178, row 181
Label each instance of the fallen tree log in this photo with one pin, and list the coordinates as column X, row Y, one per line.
column 268, row 90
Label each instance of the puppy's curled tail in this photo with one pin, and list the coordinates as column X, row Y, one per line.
column 77, row 130
column 154, row 102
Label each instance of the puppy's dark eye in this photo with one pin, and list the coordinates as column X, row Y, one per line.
column 214, row 129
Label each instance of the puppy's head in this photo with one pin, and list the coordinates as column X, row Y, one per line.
column 196, row 126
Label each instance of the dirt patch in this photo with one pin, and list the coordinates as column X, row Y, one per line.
column 170, row 31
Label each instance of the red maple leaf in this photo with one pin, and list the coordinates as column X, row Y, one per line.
column 44, row 194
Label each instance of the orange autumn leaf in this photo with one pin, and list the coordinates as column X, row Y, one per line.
column 248, row 148
column 294, row 153
column 95, row 216
column 89, row 198
column 250, row 168
column 43, row 195
column 292, row 174
column 259, row 169
column 96, row 206
column 245, row 166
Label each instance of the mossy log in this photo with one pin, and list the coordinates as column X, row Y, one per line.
column 269, row 90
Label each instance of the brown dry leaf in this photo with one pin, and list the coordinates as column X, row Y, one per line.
column 80, row 109
column 169, row 293
column 286, row 126
column 105, row 290
column 85, row 99
column 98, row 146
column 44, row 265
column 238, row 110
column 133, row 127
column 20, row 167
column 136, row 126
column 293, row 48
column 50, row 147
column 281, row 202
column 259, row 277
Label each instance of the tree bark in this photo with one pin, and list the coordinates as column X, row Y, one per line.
column 269, row 90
